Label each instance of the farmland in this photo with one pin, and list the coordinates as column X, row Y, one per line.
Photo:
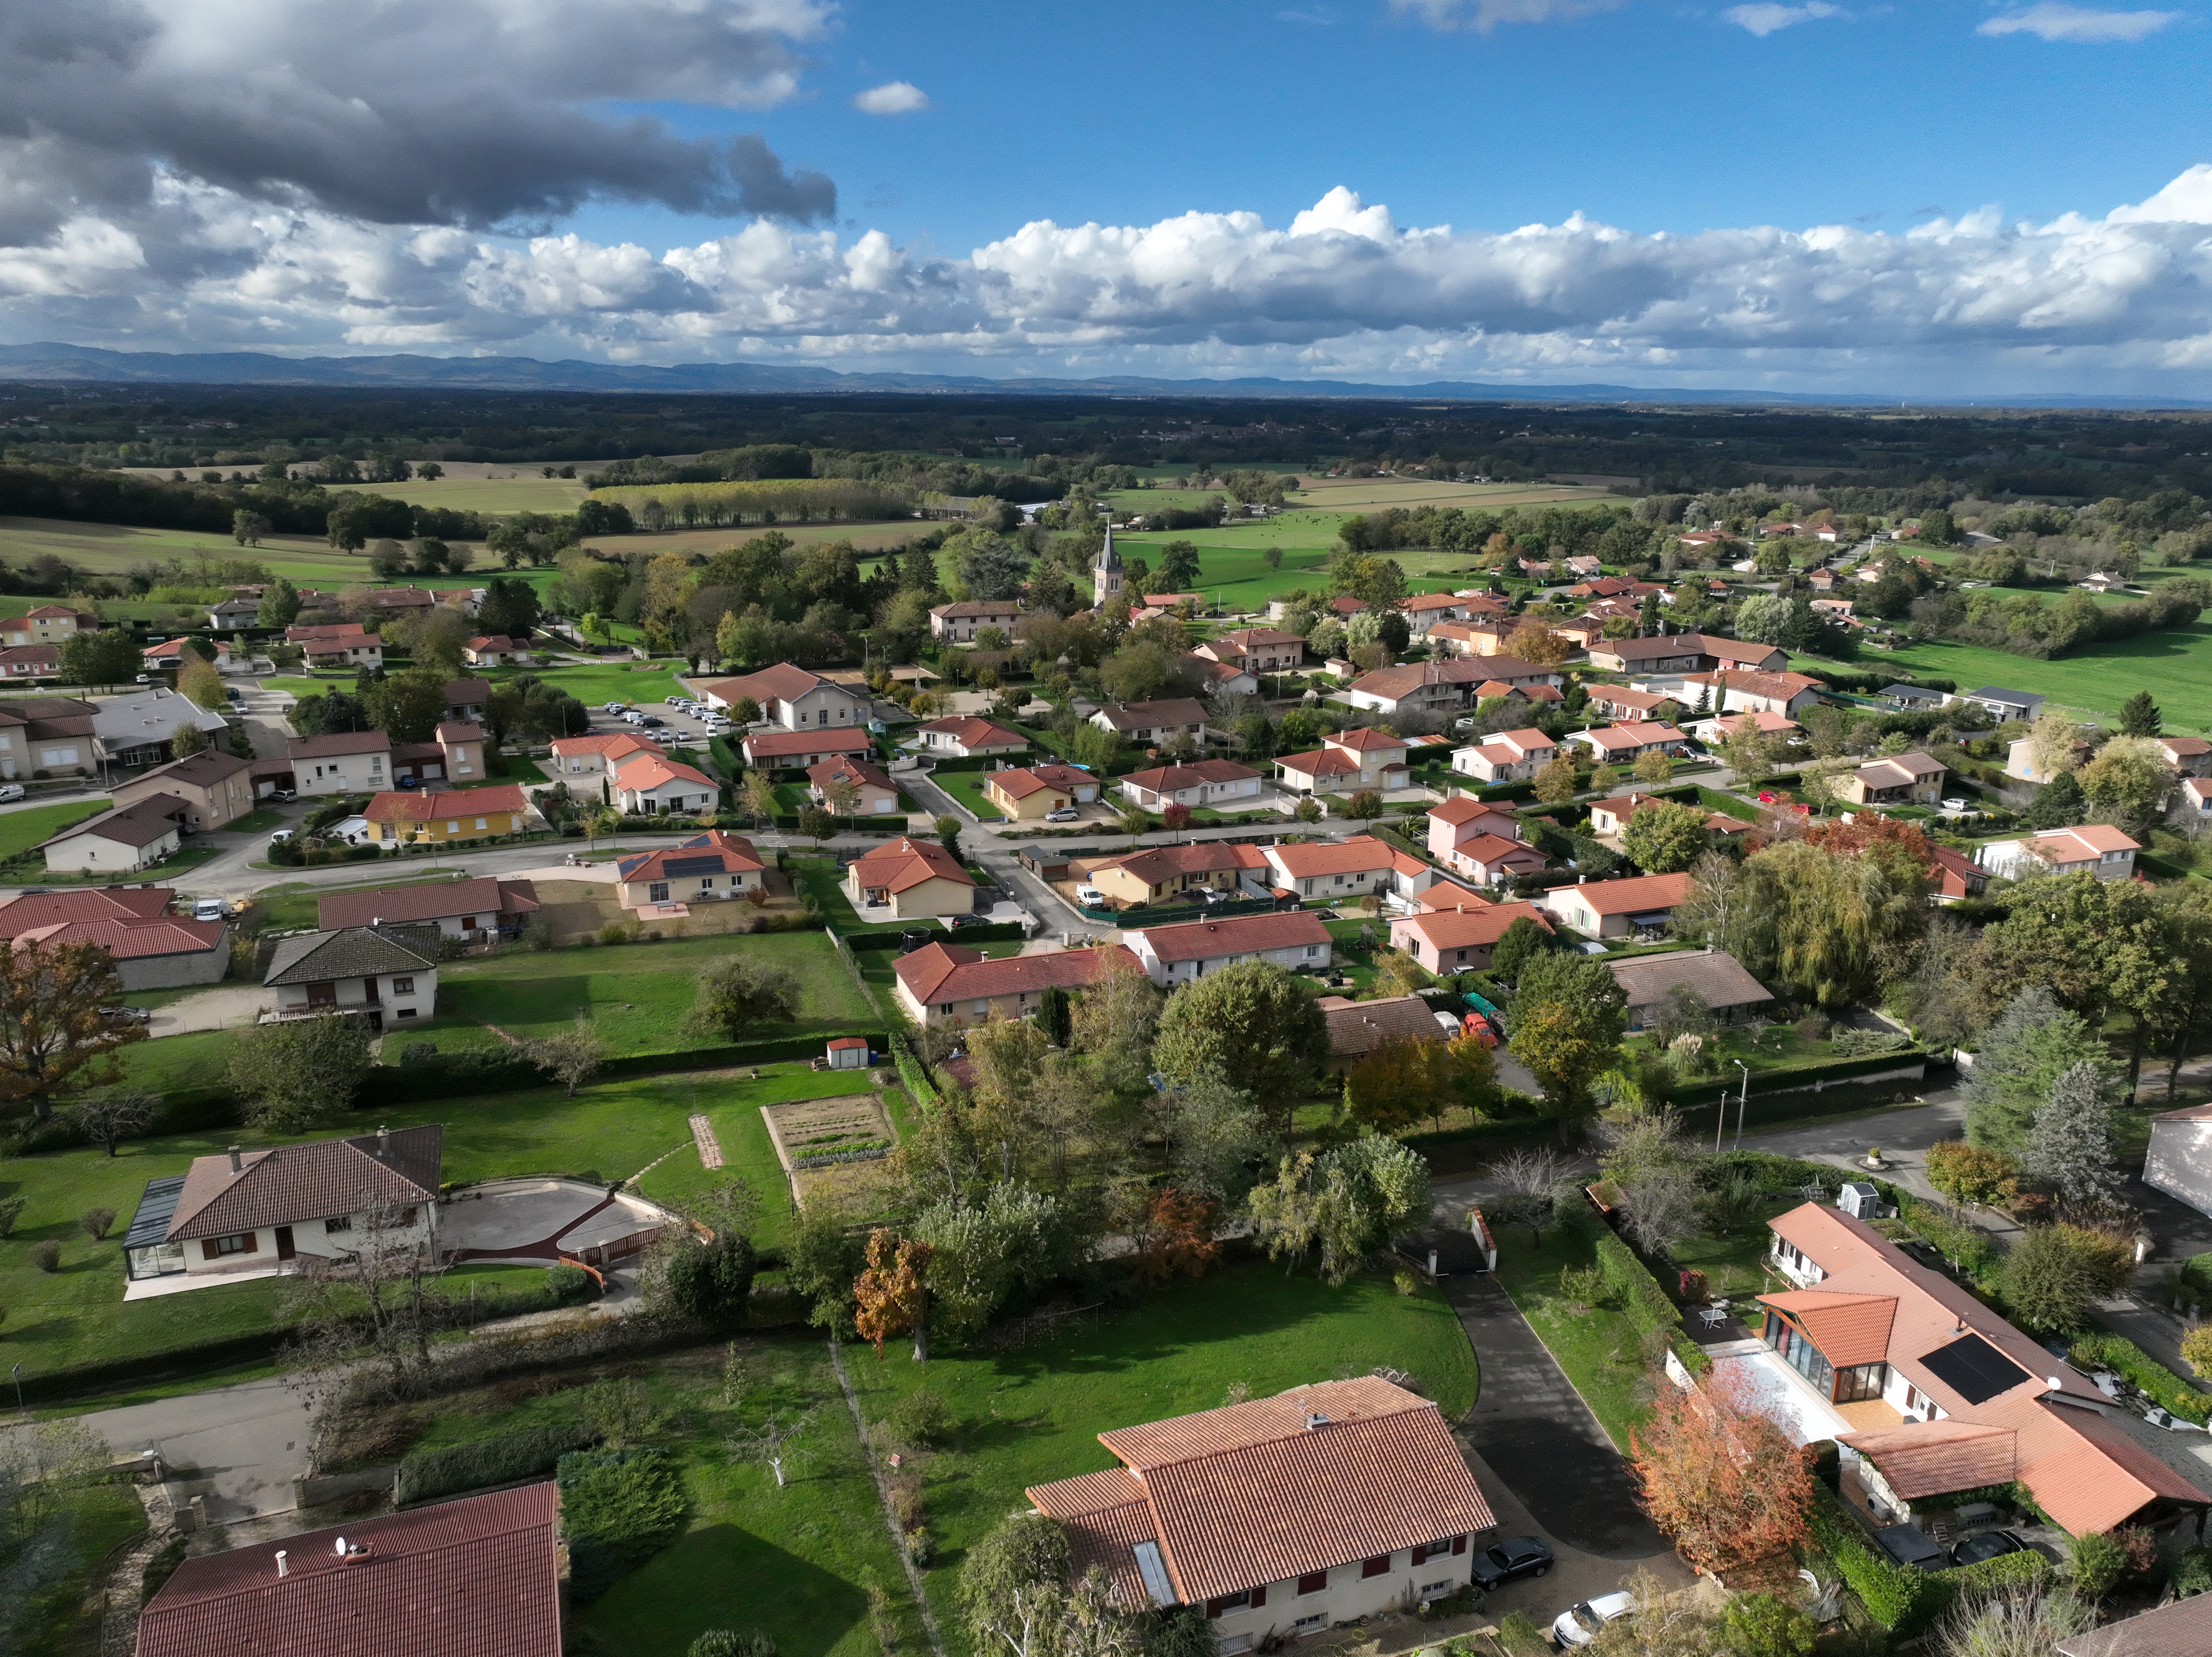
column 2175, row 667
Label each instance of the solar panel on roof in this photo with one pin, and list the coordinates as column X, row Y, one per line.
column 1974, row 1369
column 681, row 867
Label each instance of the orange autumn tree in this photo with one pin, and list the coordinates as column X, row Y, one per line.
column 891, row 1297
column 1721, row 1479
column 1179, row 1240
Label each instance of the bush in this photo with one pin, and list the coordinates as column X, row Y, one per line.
column 921, row 1418
column 618, row 1507
column 730, row 1642
column 1904, row 1600
column 1635, row 1290
column 1857, row 1044
column 1763, row 1625
column 497, row 1460
column 2095, row 1563
column 2132, row 1364
column 565, row 1285
column 95, row 1223
column 46, row 1255
column 11, row 1209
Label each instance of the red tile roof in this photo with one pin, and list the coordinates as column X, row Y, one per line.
column 1644, row 895
column 1358, row 1027
column 782, row 683
column 2183, row 1629
column 1848, row 1328
column 1204, row 940
column 434, row 900
column 948, row 972
column 613, row 744
column 1146, row 716
column 426, row 807
column 1360, row 852
column 1252, row 1493
column 459, row 730
column 858, row 771
column 21, row 915
column 479, row 1577
column 1167, row 779
column 1469, row 926
column 1320, row 762
column 131, row 938
column 334, row 742
column 1019, row 782
column 1465, row 808
column 903, row 863
column 977, row 734
column 646, row 771
column 735, row 850
column 1202, row 857
column 761, row 745
column 318, row 1181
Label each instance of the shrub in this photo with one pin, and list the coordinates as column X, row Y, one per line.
column 2193, row 1573
column 1521, row 1637
column 1763, row 1625
column 1904, row 1600
column 921, row 1418
column 1857, row 1043
column 613, row 933
column 95, row 1223
column 497, row 1460
column 619, row 1507
column 1406, row 1281
column 1635, row 1290
column 1968, row 1173
column 46, row 1255
column 11, row 1209
column 730, row 1642
column 2095, row 1562
column 565, row 1285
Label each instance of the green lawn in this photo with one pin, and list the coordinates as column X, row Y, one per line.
column 2175, row 667
column 819, row 876
column 35, row 825
column 640, row 993
column 643, row 684
column 58, row 1620
column 525, row 490
column 1595, row 1345
column 1032, row 1414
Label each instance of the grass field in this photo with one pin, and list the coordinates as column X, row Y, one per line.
column 864, row 536
column 1595, row 1345
column 1032, row 1413
column 2175, row 667
column 645, row 684
column 21, row 830
column 59, row 1620
column 502, row 489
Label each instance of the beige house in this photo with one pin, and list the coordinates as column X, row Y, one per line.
column 1620, row 909
column 1166, row 871
column 1295, row 939
column 1359, row 867
column 1255, row 650
column 337, row 645
column 652, row 784
column 216, row 788
column 779, row 751
column 1030, row 792
column 1509, row 757
column 2094, row 848
column 379, row 973
column 1282, row 1517
column 497, row 650
column 587, row 759
column 946, row 984
column 340, row 762
column 1222, row 783
column 876, row 795
column 708, row 868
column 1618, row 744
column 43, row 624
column 121, row 842
column 1914, row 779
column 790, row 697
column 910, row 880
column 958, row 623
column 1459, row 939
column 1347, row 763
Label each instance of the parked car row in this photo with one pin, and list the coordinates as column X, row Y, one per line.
column 1910, row 1546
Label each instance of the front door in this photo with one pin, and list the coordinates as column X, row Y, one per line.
column 284, row 1249
column 368, row 994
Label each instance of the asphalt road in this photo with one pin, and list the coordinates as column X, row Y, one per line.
column 239, row 1447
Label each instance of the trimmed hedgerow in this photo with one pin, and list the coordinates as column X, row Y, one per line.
column 2131, row 1363
column 497, row 1460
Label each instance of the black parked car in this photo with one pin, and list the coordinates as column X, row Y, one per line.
column 1988, row 1545
column 1910, row 1546
column 1517, row 1556
column 954, row 923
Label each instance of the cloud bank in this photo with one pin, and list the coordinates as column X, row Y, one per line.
column 2055, row 22
column 1765, row 18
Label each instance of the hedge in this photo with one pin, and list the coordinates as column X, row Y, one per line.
column 2134, row 1365
column 980, row 761
column 788, row 822
column 1831, row 1071
column 501, row 1459
column 1904, row 1599
column 999, row 931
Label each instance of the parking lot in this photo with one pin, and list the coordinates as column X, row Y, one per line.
column 676, row 726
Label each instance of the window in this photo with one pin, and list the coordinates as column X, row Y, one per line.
column 1314, row 1621
column 1378, row 1566
column 1313, row 1582
column 403, row 987
column 452, row 828
column 406, row 1012
column 241, row 1244
column 482, row 823
column 1429, row 1589
column 1227, row 1602
column 1313, row 950
column 657, row 891
column 343, row 1223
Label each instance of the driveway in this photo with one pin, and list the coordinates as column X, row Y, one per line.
column 240, row 1448
column 1534, row 1432
column 219, row 1007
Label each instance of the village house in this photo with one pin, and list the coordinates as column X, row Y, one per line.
column 254, row 1213
column 712, row 867
column 875, row 795
column 652, row 784
column 1507, row 757
column 1424, row 610
column 1295, row 939
column 1903, row 779
column 1719, row 981
column 965, row 738
column 482, row 1575
column 216, row 789
column 378, row 972
column 1357, row 1029
column 910, row 880
column 497, row 650
column 152, row 949
column 1148, row 724
column 2094, row 848
column 140, row 728
column 340, row 762
column 168, row 656
column 43, row 624
column 1463, row 818
column 1620, row 744
column 1459, row 939
column 592, row 758
column 337, row 645
column 398, row 600
column 959, row 622
column 1958, row 877
column 2021, row 705
column 29, row 662
column 1167, row 871
column 1720, row 728
column 45, row 735
column 1479, row 635
column 949, row 984
column 1222, row 785
column 425, row 818
column 1335, row 870
column 466, row 699
column 2180, row 1627
column 1221, row 678
column 1370, row 1504
column 234, row 614
column 1642, row 906
column 473, row 911
column 1625, row 704
column 2189, row 756
column 1026, row 792
column 122, row 840
column 1434, row 687
column 786, row 750
column 1930, row 1393
column 1256, row 650
column 1688, row 652
column 1345, row 762
column 790, row 697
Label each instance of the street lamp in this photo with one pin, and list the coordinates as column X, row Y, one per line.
column 1743, row 1101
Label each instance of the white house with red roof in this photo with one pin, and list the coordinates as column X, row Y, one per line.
column 337, row 644
column 652, row 784
column 1459, row 937
column 1507, row 757
column 797, row 749
column 2094, row 848
column 965, row 736
column 1331, row 868
column 1643, row 906
column 1280, row 1517
column 1619, row 743
column 788, row 696
column 1294, row 939
column 1462, row 819
column 470, row 909
column 1222, row 783
column 875, row 795
column 909, row 879
column 1346, row 761
column 950, row 983
column 589, row 758
column 495, row 650
column 706, row 868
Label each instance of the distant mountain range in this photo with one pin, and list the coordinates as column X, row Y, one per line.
column 52, row 363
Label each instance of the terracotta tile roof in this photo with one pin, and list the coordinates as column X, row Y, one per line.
column 1936, row 1457
column 479, row 1577
column 1167, row 779
column 1620, row 695
column 780, row 744
column 341, row 633
column 1019, row 782
column 1644, row 894
column 459, row 730
column 1428, row 601
column 2095, row 838
column 498, row 642
column 400, row 598
column 1717, row 977
column 1644, row 733
column 1105, row 1516
column 1320, row 762
column 318, row 1181
column 949, row 972
column 333, row 742
column 1464, row 808
column 1201, row 857
column 47, row 612
column 1470, row 926
column 782, row 683
column 1360, row 852
column 1205, row 940
column 735, row 852
column 2183, row 1629
column 858, row 771
column 1847, row 1328
column 434, row 900
column 1358, row 1027
column 1243, row 640
column 1783, row 687
column 978, row 733
column 1495, row 848
column 1957, row 874
column 132, row 937
column 21, row 915
column 1393, row 683
column 900, row 865
column 966, row 607
column 426, row 807
column 1250, row 1494
column 645, row 771
column 1366, row 740
column 613, row 745
column 1762, row 719
column 1149, row 716
column 140, row 824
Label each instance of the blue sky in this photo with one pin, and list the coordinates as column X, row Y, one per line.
column 1949, row 198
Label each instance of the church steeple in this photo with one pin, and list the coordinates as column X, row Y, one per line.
column 1106, row 572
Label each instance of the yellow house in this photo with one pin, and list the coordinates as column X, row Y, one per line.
column 910, row 880
column 1167, row 871
column 1033, row 791
column 457, row 814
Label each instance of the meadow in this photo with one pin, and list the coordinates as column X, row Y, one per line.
column 35, row 825
column 2175, row 667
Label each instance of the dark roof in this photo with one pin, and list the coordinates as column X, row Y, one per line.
column 1203, row 940
column 1719, row 979
column 467, row 690
column 150, row 1224
column 479, row 1577
column 1358, row 1027
column 138, row 824
column 199, row 769
column 347, row 952
column 2183, row 1629
column 1143, row 716
column 317, row 1181
column 432, row 901
column 338, row 742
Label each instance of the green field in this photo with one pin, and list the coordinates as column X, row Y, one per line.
column 21, row 830
column 646, row 685
column 2175, row 667
column 511, row 489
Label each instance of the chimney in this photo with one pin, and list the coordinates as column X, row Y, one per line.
column 383, row 1140
column 235, row 1165
column 1316, row 1421
column 282, row 1568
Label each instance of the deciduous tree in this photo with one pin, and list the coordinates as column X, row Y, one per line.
column 1566, row 1021
column 737, row 993
column 571, row 1058
column 1723, row 1483
column 1663, row 838
column 113, row 1114
column 290, row 1075
column 1251, row 1025
column 891, row 1297
column 52, row 1028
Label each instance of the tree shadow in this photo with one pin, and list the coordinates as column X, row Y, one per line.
column 726, row 1576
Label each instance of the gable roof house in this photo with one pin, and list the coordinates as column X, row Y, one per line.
column 1346, row 761
column 337, row 644
column 1034, row 790
column 1200, row 782
column 1221, row 678
column 1295, row 939
column 1332, row 869
column 497, row 650
column 466, row 699
column 1643, row 906
column 2094, row 848
column 1630, row 742
column 43, row 624
column 1478, row 840
column 877, row 794
column 216, row 789
column 374, row 971
column 340, row 762
column 1146, row 723
column 1162, row 873
column 716, row 866
column 597, row 754
column 456, row 814
column 959, row 622
column 1356, row 1029
column 153, row 950
column 2190, row 756
column 1507, row 757
column 123, row 841
column 1284, row 1514
column 458, row 909
column 907, row 879
column 31, row 662
column 652, row 784
column 1460, row 939
column 254, row 1212
column 950, row 983
column 138, row 729
column 1255, row 649
column 1938, row 1395
column 1719, row 980
column 964, row 736
column 1914, row 777
column 789, row 696
column 781, row 750
column 1429, row 687
column 477, row 1577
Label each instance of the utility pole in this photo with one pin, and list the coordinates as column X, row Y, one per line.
column 1742, row 1102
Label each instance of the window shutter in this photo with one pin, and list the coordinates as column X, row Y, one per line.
column 1260, row 1595
column 207, row 1251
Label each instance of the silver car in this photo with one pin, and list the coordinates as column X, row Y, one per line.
column 1580, row 1623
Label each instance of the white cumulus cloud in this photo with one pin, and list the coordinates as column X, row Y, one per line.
column 1484, row 15
column 2055, row 20
column 1764, row 20
column 893, row 98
